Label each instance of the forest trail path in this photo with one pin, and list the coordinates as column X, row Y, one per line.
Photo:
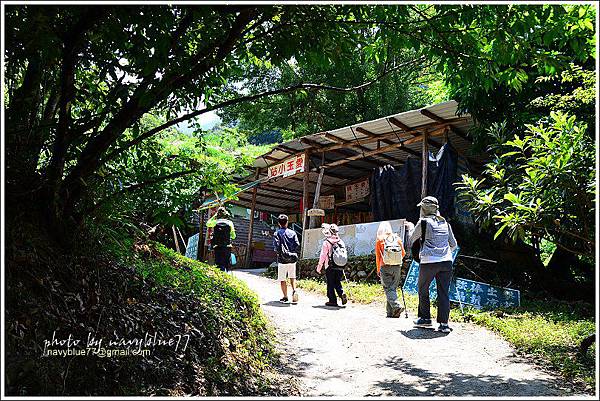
column 357, row 351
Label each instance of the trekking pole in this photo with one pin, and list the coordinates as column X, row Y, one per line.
column 347, row 283
column 404, row 302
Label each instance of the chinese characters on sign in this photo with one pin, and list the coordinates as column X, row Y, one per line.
column 467, row 291
column 327, row 202
column 357, row 190
column 481, row 294
column 287, row 168
column 192, row 247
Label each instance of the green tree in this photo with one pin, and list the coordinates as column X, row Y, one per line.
column 79, row 80
column 542, row 185
column 308, row 111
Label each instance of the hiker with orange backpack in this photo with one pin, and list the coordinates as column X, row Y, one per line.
column 389, row 253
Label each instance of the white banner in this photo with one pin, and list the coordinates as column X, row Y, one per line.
column 357, row 190
column 291, row 166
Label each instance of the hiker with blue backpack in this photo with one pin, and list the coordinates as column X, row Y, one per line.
column 434, row 251
column 333, row 258
column 286, row 244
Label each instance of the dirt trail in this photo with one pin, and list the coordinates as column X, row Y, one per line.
column 357, row 351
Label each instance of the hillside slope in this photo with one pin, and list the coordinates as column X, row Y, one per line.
column 138, row 294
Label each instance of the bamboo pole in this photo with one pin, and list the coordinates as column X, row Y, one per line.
column 176, row 240
column 201, row 236
column 182, row 239
column 316, row 196
column 425, row 162
column 305, row 182
column 251, row 227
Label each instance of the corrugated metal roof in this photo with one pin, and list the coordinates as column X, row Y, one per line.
column 284, row 194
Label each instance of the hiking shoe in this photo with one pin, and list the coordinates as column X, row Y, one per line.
column 344, row 299
column 444, row 328
column 283, row 300
column 294, row 297
column 398, row 312
column 423, row 323
column 331, row 304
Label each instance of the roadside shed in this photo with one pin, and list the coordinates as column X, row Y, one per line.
column 330, row 170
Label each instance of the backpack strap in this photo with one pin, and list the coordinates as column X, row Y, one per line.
column 423, row 232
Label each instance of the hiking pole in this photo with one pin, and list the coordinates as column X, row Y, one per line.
column 347, row 283
column 404, row 302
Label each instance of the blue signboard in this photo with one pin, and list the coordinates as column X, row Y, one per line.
column 465, row 291
column 480, row 294
column 191, row 251
column 412, row 278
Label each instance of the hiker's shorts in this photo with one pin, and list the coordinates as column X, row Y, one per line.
column 286, row 269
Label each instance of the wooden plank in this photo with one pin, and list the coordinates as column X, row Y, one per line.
column 287, row 149
column 424, row 163
column 201, row 236
column 280, row 191
column 302, row 179
column 327, row 160
column 388, row 141
column 316, row 195
column 354, row 145
column 266, row 208
column 262, row 197
column 305, row 182
column 176, row 240
column 433, row 116
column 383, row 149
column 399, row 124
column 251, row 227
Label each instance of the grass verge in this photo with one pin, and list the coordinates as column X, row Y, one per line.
column 549, row 331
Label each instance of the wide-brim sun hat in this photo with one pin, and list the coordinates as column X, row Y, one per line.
column 329, row 229
column 429, row 200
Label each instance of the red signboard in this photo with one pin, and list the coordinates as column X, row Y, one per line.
column 287, row 168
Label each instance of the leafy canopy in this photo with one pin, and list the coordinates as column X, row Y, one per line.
column 542, row 184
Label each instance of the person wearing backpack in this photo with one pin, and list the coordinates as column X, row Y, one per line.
column 435, row 254
column 333, row 258
column 222, row 235
column 389, row 254
column 286, row 244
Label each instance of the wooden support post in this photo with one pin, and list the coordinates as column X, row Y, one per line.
column 316, row 196
column 201, row 237
column 425, row 162
column 305, row 182
column 182, row 239
column 176, row 240
column 251, row 227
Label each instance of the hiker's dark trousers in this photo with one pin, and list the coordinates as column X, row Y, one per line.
column 223, row 258
column 442, row 272
column 334, row 283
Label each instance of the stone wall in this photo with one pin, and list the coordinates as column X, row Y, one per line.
column 359, row 268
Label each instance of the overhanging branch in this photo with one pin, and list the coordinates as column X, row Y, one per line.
column 249, row 98
column 140, row 185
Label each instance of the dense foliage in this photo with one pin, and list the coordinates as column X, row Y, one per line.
column 118, row 288
column 542, row 184
column 81, row 81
